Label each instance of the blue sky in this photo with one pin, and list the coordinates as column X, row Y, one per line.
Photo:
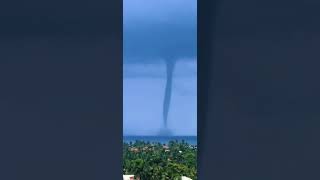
column 145, row 71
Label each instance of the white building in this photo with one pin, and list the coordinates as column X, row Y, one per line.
column 128, row 177
column 185, row 178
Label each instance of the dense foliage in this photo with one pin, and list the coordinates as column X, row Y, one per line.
column 155, row 161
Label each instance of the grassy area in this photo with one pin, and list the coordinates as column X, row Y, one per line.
column 155, row 161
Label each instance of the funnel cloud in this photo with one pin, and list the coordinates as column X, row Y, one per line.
column 168, row 91
column 160, row 33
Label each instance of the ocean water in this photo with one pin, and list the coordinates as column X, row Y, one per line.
column 161, row 139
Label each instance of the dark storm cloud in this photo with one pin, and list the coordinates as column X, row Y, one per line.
column 155, row 30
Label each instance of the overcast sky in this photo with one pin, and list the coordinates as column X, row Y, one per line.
column 145, row 73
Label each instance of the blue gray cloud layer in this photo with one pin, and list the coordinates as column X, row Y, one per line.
column 155, row 30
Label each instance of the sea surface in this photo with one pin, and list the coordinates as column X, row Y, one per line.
column 161, row 139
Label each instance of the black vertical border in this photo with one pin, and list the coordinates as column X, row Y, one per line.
column 61, row 89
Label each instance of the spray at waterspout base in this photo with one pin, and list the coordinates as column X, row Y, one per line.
column 164, row 131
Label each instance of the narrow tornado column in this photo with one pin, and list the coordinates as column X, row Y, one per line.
column 168, row 91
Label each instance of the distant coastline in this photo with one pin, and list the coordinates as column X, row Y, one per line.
column 161, row 139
